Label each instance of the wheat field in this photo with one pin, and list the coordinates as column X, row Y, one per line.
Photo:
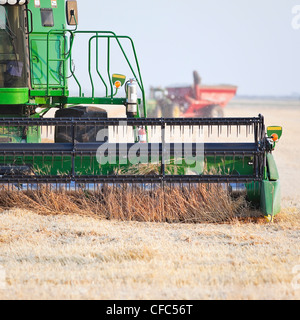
column 58, row 250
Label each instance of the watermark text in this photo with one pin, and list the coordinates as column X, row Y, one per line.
column 296, row 17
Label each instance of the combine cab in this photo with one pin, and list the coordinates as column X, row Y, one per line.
column 81, row 147
column 188, row 102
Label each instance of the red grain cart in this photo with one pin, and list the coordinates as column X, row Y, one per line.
column 196, row 101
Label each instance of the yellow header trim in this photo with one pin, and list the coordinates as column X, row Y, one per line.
column 274, row 128
column 119, row 76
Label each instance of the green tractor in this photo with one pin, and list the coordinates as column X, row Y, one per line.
column 84, row 149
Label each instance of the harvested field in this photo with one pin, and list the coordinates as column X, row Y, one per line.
column 75, row 257
column 57, row 248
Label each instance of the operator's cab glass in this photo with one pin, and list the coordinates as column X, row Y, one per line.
column 12, row 47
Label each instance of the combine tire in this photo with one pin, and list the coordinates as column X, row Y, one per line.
column 158, row 112
column 168, row 111
column 214, row 112
column 82, row 133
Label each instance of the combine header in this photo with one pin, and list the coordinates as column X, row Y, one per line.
column 82, row 148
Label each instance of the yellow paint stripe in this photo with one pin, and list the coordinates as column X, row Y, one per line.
column 275, row 128
column 119, row 76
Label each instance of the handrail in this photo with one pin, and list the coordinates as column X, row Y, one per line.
column 97, row 67
column 95, row 35
column 67, row 56
column 113, row 35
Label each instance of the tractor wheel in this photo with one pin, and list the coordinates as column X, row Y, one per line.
column 172, row 111
column 176, row 111
column 214, row 111
column 63, row 134
column 158, row 112
column 168, row 111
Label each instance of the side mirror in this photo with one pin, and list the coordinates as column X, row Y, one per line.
column 72, row 13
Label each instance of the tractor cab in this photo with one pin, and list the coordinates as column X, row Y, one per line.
column 38, row 59
column 32, row 58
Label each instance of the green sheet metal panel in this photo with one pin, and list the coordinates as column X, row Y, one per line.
column 14, row 96
column 270, row 197
column 39, row 62
column 58, row 10
column 47, row 16
column 272, row 168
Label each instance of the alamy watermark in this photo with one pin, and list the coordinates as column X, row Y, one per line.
column 296, row 279
column 296, row 17
column 192, row 154
column 2, row 278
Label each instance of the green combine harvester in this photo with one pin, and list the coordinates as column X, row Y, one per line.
column 36, row 63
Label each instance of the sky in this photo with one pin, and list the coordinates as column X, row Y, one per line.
column 254, row 44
